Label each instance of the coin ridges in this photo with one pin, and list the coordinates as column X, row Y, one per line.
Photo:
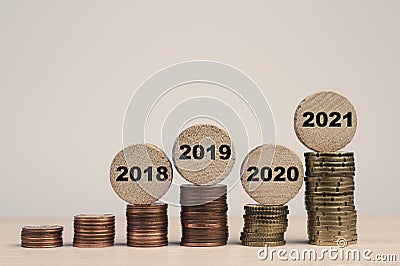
column 264, row 225
column 329, row 197
column 41, row 236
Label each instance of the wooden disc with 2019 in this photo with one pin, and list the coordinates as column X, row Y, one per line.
column 272, row 174
column 141, row 174
column 203, row 154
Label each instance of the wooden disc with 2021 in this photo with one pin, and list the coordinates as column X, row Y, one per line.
column 325, row 121
column 141, row 174
column 203, row 154
column 272, row 174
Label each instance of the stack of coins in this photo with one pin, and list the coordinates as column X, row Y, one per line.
column 264, row 225
column 147, row 225
column 94, row 230
column 203, row 215
column 329, row 197
column 43, row 236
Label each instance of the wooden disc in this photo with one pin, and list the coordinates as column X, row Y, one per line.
column 141, row 174
column 203, row 154
column 325, row 121
column 272, row 174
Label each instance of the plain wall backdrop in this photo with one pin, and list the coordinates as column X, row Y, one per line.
column 69, row 68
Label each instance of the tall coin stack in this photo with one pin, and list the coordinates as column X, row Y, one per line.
column 147, row 225
column 94, row 230
column 264, row 225
column 204, row 215
column 43, row 236
column 329, row 197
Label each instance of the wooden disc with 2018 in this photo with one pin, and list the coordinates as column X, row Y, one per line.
column 141, row 174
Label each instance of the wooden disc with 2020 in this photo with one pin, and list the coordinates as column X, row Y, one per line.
column 272, row 174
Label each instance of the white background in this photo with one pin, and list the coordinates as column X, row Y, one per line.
column 69, row 68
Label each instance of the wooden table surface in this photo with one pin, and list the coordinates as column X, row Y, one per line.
column 380, row 234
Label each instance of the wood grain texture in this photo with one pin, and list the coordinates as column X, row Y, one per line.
column 325, row 138
column 272, row 192
column 205, row 171
column 142, row 191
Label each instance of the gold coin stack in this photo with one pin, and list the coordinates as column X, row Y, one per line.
column 147, row 225
column 94, row 230
column 203, row 215
column 329, row 197
column 264, row 225
column 42, row 236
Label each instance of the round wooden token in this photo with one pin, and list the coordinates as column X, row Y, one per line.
column 203, row 154
column 141, row 174
column 325, row 121
column 272, row 174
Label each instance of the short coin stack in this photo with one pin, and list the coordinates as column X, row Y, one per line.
column 329, row 197
column 44, row 236
column 94, row 230
column 264, row 225
column 203, row 215
column 147, row 225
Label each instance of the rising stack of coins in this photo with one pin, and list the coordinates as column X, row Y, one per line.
column 43, row 236
column 94, row 230
column 203, row 215
column 261, row 173
column 264, row 225
column 326, row 122
column 147, row 225
column 329, row 197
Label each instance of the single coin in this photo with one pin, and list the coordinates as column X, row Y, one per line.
column 42, row 228
column 265, row 216
column 333, row 233
column 330, row 208
column 330, row 238
column 332, row 228
column 263, row 243
column 329, row 155
column 310, row 205
column 269, row 230
column 311, row 189
column 329, row 243
column 325, row 121
column 96, row 217
column 329, row 199
column 330, row 213
column 203, row 154
column 328, row 194
column 311, row 164
column 141, row 174
column 272, row 174
column 330, row 174
column 195, row 244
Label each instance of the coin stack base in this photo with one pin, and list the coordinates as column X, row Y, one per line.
column 94, row 230
column 44, row 236
column 203, row 215
column 147, row 225
column 329, row 198
column 264, row 225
